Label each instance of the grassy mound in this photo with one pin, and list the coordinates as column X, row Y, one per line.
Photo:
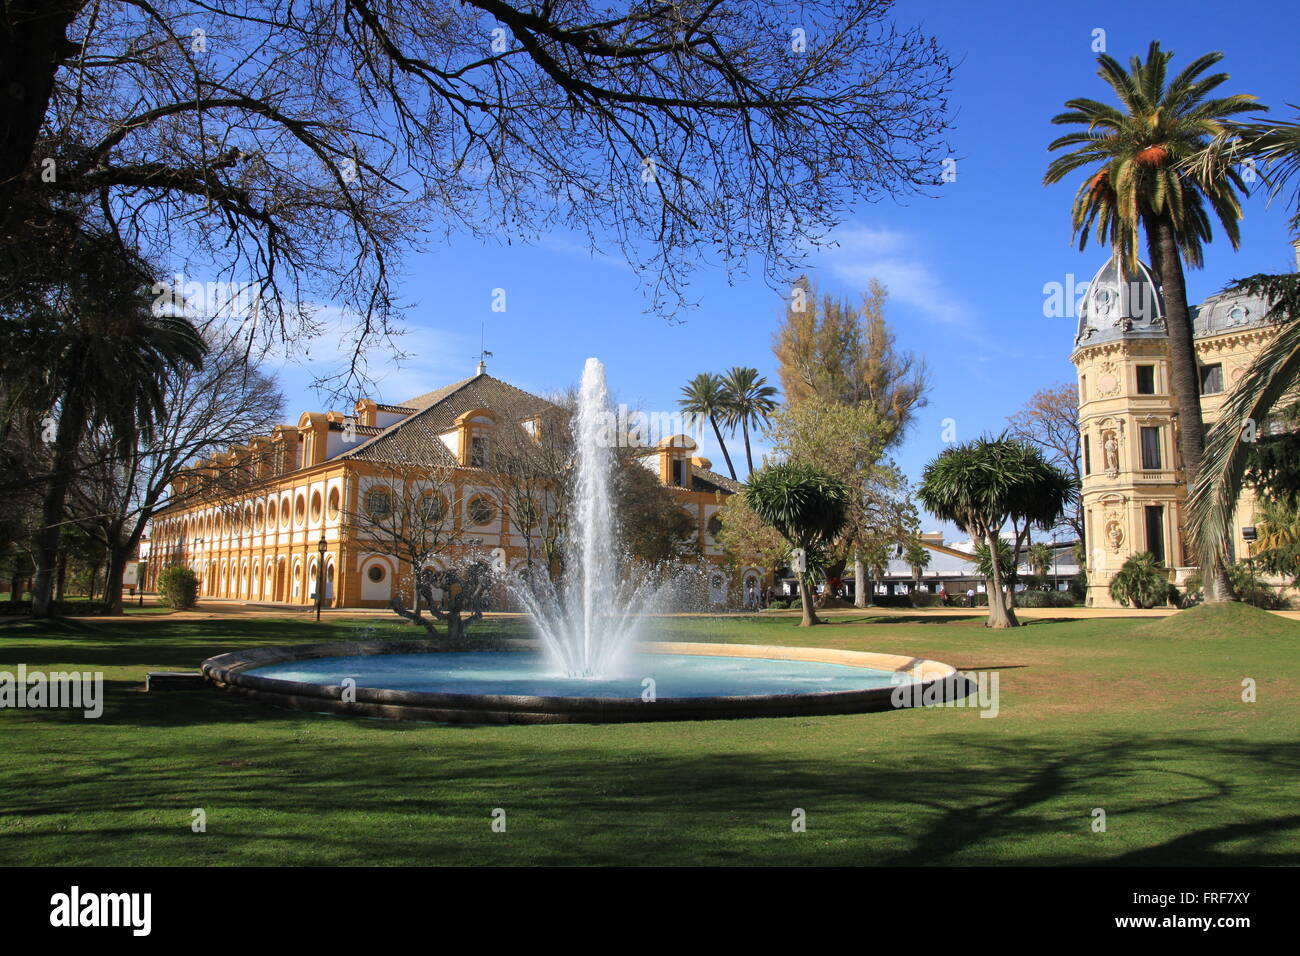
column 1221, row 620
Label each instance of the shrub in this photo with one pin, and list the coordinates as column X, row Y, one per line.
column 178, row 587
column 924, row 599
column 1252, row 589
column 1248, row 587
column 1141, row 582
column 1045, row 599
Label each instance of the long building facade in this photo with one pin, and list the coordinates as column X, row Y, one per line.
column 1134, row 485
column 313, row 499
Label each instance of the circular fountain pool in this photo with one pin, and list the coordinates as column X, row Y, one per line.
column 412, row 681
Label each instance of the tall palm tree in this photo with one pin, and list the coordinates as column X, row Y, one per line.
column 751, row 401
column 706, row 395
column 1140, row 182
column 99, row 357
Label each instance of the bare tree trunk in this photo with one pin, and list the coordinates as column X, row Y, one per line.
column 61, row 575
column 1000, row 616
column 1185, row 378
column 119, row 554
column 117, row 557
column 33, row 42
column 860, row 583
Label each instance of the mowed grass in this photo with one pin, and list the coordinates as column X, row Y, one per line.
column 1094, row 714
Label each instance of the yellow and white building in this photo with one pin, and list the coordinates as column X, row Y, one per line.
column 1134, row 486
column 302, row 485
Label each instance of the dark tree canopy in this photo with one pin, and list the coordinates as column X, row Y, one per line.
column 304, row 145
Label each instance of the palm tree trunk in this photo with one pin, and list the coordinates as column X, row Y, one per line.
column 749, row 458
column 723, row 445
column 66, row 439
column 1185, row 379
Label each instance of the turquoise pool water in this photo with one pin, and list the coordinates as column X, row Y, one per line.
column 503, row 672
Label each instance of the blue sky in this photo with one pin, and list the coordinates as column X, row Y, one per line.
column 965, row 269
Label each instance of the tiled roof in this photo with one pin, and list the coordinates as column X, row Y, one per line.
column 704, row 480
column 415, row 438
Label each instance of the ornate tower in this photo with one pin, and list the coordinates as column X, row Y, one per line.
column 1132, row 479
column 1134, row 487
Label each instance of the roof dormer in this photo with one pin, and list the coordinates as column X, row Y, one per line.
column 676, row 460
column 475, row 430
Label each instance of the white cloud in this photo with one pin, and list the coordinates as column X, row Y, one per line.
column 429, row 358
column 892, row 257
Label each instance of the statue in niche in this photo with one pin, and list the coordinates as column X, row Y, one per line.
column 1114, row 534
column 1110, row 451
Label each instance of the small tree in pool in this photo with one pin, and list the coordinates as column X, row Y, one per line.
column 456, row 595
column 806, row 506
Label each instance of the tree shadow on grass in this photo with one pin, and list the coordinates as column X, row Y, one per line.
column 297, row 789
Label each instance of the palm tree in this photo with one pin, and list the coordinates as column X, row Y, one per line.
column 1040, row 558
column 1275, row 145
column 1141, row 582
column 806, row 506
column 751, row 401
column 982, row 484
column 1272, row 375
column 1140, row 181
column 918, row 557
column 706, row 395
column 97, row 360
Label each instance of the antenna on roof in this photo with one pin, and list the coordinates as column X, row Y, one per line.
column 482, row 353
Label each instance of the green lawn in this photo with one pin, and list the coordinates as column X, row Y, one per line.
column 1145, row 723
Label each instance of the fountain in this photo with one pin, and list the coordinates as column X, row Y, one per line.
column 594, row 667
column 586, row 628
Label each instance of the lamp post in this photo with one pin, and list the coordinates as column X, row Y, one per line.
column 321, row 546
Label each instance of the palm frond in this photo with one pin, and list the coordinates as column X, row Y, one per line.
column 1218, row 485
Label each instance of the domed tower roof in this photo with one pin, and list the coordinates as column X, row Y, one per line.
column 1228, row 312
column 1120, row 305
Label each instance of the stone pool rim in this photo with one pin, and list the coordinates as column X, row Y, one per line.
column 230, row 672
